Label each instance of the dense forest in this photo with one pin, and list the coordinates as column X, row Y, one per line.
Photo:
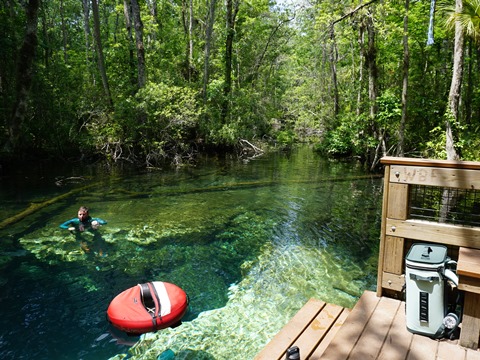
column 161, row 80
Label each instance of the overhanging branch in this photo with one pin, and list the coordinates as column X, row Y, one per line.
column 359, row 7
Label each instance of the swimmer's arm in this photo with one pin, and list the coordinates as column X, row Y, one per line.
column 69, row 223
column 99, row 221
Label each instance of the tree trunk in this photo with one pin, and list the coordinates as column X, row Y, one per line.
column 190, row 41
column 127, row 13
column 333, row 63
column 86, row 28
column 361, row 42
column 187, row 19
column 406, row 66
column 372, row 69
column 363, row 24
column 449, row 199
column 255, row 72
column 476, row 111
column 64, row 33
column 371, row 62
column 469, row 87
column 208, row 41
column 24, row 75
column 152, row 7
column 455, row 87
column 139, row 43
column 46, row 39
column 100, row 60
column 230, row 24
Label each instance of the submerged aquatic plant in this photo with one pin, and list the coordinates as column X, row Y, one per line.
column 280, row 282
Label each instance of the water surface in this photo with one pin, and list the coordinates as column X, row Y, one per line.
column 250, row 242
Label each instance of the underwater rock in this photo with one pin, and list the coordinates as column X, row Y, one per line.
column 166, row 355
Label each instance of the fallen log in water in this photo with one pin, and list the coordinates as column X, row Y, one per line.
column 221, row 187
column 37, row 206
column 237, row 186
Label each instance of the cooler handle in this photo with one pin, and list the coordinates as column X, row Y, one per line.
column 449, row 274
column 424, row 278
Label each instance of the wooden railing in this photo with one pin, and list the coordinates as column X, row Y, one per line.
column 399, row 230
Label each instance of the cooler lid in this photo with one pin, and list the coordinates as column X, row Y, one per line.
column 427, row 253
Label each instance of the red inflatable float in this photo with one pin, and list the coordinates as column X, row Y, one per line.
column 148, row 307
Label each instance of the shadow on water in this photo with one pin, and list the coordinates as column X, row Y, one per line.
column 249, row 243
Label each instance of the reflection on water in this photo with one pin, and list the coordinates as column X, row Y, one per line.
column 249, row 243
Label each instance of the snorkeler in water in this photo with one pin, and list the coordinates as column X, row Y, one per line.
column 83, row 221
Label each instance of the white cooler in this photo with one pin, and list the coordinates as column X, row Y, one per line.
column 425, row 277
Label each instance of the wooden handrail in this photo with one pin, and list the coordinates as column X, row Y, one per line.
column 391, row 160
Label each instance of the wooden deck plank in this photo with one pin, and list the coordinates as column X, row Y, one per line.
column 317, row 329
column 318, row 353
column 398, row 339
column 376, row 330
column 350, row 332
column 276, row 348
column 472, row 354
column 450, row 351
column 422, row 348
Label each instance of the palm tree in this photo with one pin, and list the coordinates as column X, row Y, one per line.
column 452, row 114
column 465, row 19
column 468, row 18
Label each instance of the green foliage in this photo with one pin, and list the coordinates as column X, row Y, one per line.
column 249, row 116
column 351, row 136
column 435, row 147
column 339, row 141
column 389, row 111
column 470, row 139
column 171, row 114
column 286, row 138
column 290, row 64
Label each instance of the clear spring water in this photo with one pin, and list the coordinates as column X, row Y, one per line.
column 250, row 242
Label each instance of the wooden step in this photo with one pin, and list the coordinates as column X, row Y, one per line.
column 374, row 329
column 311, row 329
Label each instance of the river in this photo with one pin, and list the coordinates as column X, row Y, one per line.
column 249, row 241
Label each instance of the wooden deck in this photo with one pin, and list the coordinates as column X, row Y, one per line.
column 374, row 329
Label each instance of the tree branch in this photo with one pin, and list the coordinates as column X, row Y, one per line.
column 359, row 7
